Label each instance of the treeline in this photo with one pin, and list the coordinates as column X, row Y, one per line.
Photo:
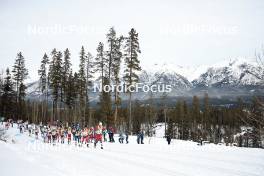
column 241, row 124
column 13, row 90
column 68, row 90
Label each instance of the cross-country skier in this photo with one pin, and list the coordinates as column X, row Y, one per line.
column 126, row 134
column 54, row 135
column 140, row 137
column 99, row 135
column 73, row 131
column 42, row 131
column 111, row 134
column 65, row 132
column 49, row 136
column 69, row 135
column 104, row 133
column 36, row 132
column 29, row 129
column 45, row 135
column 58, row 134
column 85, row 136
column 121, row 138
column 62, row 135
column 78, row 137
column 20, row 128
column 91, row 135
column 168, row 138
column 12, row 123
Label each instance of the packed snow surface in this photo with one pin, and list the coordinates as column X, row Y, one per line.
column 26, row 156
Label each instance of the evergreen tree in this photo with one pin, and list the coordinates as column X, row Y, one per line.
column 114, row 56
column 55, row 73
column 105, row 104
column 89, row 67
column 100, row 62
column 20, row 73
column 196, row 135
column 111, row 39
column 44, row 83
column 89, row 76
column 206, row 117
column 66, row 69
column 71, row 93
column 8, row 97
column 117, row 56
column 82, row 83
column 70, row 90
column 132, row 65
column 186, row 121
column 43, row 73
column 75, row 93
column 180, row 118
column 256, row 120
column 22, row 95
column 101, row 68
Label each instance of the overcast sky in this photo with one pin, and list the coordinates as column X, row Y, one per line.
column 170, row 31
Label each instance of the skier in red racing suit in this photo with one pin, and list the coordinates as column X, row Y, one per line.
column 99, row 135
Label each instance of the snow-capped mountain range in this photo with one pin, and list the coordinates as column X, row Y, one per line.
column 235, row 72
column 230, row 76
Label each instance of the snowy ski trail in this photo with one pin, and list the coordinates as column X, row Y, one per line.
column 183, row 158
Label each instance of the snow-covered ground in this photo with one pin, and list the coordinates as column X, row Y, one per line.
column 28, row 157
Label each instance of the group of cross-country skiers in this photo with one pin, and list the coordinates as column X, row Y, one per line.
column 74, row 134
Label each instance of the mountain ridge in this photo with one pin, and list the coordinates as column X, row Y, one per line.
column 230, row 77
